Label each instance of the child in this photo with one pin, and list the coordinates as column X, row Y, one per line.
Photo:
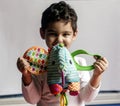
column 59, row 25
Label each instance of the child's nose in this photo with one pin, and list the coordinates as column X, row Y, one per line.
column 59, row 39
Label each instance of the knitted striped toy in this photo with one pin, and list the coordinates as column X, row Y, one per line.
column 61, row 71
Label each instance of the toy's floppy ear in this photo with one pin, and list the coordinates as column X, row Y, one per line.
column 42, row 33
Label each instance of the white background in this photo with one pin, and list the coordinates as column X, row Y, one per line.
column 98, row 25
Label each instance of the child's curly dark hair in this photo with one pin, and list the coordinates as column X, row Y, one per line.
column 59, row 11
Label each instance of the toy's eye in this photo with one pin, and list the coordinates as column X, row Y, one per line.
column 53, row 62
column 70, row 61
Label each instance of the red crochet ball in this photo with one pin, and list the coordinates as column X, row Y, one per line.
column 56, row 89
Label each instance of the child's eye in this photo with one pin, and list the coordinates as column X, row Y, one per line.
column 66, row 34
column 52, row 34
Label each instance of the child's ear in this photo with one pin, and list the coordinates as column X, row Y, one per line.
column 42, row 33
column 75, row 34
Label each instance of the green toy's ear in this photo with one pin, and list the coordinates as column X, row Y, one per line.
column 83, row 68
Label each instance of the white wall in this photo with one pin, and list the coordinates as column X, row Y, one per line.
column 99, row 29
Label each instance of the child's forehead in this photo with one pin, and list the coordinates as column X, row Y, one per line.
column 59, row 25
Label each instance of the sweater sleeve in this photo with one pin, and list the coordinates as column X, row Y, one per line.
column 87, row 92
column 30, row 93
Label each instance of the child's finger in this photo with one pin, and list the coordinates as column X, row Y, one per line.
column 96, row 57
column 100, row 65
column 105, row 60
column 21, row 63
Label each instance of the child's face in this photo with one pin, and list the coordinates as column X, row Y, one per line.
column 59, row 32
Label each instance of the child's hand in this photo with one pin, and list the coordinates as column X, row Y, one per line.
column 22, row 65
column 100, row 66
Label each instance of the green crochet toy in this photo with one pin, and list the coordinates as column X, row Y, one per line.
column 61, row 71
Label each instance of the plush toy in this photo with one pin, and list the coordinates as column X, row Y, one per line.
column 61, row 71
column 37, row 57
